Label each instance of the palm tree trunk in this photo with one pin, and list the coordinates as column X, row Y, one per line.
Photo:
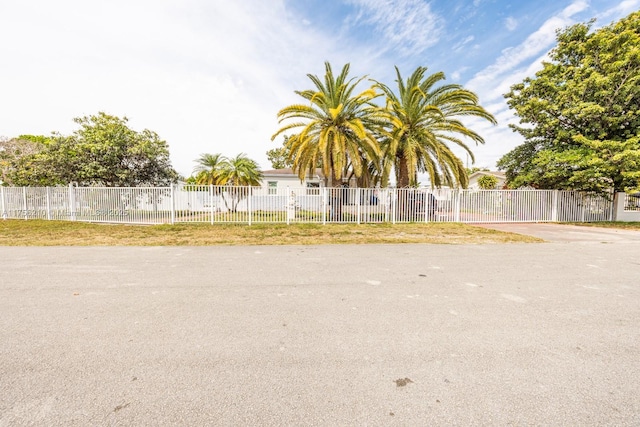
column 403, row 205
column 335, row 198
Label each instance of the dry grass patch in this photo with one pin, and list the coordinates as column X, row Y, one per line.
column 620, row 225
column 64, row 233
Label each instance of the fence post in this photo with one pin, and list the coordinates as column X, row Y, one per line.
column 554, row 208
column 456, row 214
column 173, row 205
column 24, row 203
column 613, row 212
column 72, row 203
column 48, row 204
column 324, row 205
column 4, row 207
column 211, row 202
column 249, row 191
column 288, row 205
column 358, row 204
column 394, row 196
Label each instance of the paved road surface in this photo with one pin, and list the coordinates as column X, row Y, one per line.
column 519, row 334
column 564, row 233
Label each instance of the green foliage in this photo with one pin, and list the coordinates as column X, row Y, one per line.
column 280, row 157
column 487, row 182
column 349, row 136
column 336, row 128
column 15, row 156
column 475, row 169
column 215, row 169
column 423, row 119
column 104, row 151
column 233, row 173
column 580, row 115
column 209, row 169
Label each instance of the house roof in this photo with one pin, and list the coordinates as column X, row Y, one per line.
column 288, row 172
column 497, row 174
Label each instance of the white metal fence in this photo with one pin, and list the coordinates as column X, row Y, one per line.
column 213, row 204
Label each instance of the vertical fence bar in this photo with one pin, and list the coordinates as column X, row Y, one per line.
column 25, row 212
column 212, row 210
column 173, row 205
column 48, row 195
column 72, row 203
column 324, row 205
column 4, row 205
column 249, row 193
column 612, row 206
column 288, row 206
column 456, row 196
column 394, row 195
column 358, row 203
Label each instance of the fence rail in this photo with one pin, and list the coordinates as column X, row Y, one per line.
column 215, row 204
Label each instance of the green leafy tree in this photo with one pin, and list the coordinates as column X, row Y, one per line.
column 580, row 115
column 487, row 182
column 280, row 157
column 104, row 151
column 16, row 154
column 475, row 169
column 423, row 122
column 336, row 129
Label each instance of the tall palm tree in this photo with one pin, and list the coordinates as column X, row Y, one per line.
column 209, row 169
column 335, row 129
column 423, row 120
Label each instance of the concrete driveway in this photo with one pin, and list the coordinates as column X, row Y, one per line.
column 565, row 233
column 516, row 334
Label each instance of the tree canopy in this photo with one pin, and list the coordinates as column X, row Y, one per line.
column 580, row 114
column 104, row 151
column 216, row 169
column 351, row 135
column 337, row 128
column 423, row 122
column 280, row 157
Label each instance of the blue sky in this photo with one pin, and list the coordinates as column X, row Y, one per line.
column 210, row 75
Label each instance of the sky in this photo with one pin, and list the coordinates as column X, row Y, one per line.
column 209, row 76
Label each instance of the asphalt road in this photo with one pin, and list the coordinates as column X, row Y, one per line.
column 516, row 334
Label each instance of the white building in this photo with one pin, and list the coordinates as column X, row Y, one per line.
column 474, row 177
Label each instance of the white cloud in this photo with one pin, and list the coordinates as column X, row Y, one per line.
column 485, row 81
column 511, row 23
column 408, row 26
column 208, row 76
column 460, row 45
column 624, row 8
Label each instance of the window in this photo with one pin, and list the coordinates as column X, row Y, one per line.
column 273, row 187
column 313, row 188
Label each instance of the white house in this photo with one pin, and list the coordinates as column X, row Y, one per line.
column 275, row 180
column 474, row 177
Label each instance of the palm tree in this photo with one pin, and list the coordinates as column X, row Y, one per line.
column 238, row 174
column 422, row 121
column 336, row 129
column 241, row 171
column 210, row 168
column 233, row 174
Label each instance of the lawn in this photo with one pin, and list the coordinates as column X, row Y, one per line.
column 65, row 233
